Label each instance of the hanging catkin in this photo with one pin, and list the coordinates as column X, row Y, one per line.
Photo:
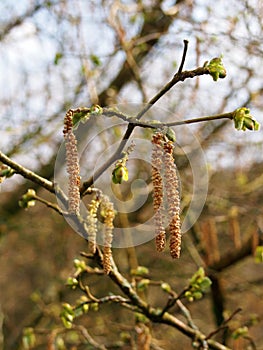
column 72, row 164
column 173, row 200
column 107, row 211
column 157, row 156
column 92, row 221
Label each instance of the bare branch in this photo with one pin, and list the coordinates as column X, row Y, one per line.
column 183, row 57
column 88, row 337
column 224, row 324
column 157, row 125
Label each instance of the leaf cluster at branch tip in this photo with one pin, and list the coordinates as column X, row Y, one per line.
column 28, row 199
column 244, row 120
column 199, row 283
column 216, row 68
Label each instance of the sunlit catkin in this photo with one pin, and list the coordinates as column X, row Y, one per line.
column 72, row 164
column 107, row 211
column 92, row 220
column 157, row 156
column 173, row 200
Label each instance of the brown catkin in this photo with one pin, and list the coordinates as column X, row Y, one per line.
column 157, row 155
column 107, row 210
column 173, row 199
column 72, row 164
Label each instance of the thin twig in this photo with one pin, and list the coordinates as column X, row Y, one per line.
column 251, row 342
column 50, row 205
column 183, row 57
column 174, row 297
column 88, row 337
column 28, row 174
column 157, row 125
column 224, row 324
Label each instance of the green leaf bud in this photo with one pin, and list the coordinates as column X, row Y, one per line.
column 259, row 255
column 29, row 338
column 27, row 199
column 94, row 306
column 80, row 265
column 6, row 172
column 240, row 332
column 85, row 308
column 72, row 282
column 140, row 271
column 243, row 120
column 119, row 174
column 143, row 284
column 197, row 295
column 170, row 134
column 68, row 308
column 216, row 68
column 166, row 287
column 96, row 110
column 66, row 323
column 205, row 284
column 189, row 296
column 67, row 315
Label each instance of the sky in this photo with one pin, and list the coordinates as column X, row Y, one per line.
column 33, row 87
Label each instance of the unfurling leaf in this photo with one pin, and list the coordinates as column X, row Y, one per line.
column 166, row 287
column 143, row 284
column 240, row 332
column 67, row 315
column 199, row 283
column 140, row 271
column 119, row 174
column 216, row 68
column 244, row 120
column 28, row 199
column 170, row 134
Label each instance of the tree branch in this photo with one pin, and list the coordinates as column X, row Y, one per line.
column 156, row 124
column 154, row 314
column 183, row 57
column 180, row 76
column 28, row 174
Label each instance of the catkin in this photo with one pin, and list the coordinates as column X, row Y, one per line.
column 157, row 155
column 109, row 214
column 92, row 220
column 72, row 164
column 173, row 200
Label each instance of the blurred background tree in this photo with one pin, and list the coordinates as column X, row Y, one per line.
column 56, row 55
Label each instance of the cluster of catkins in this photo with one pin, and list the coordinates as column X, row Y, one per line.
column 163, row 163
column 100, row 201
